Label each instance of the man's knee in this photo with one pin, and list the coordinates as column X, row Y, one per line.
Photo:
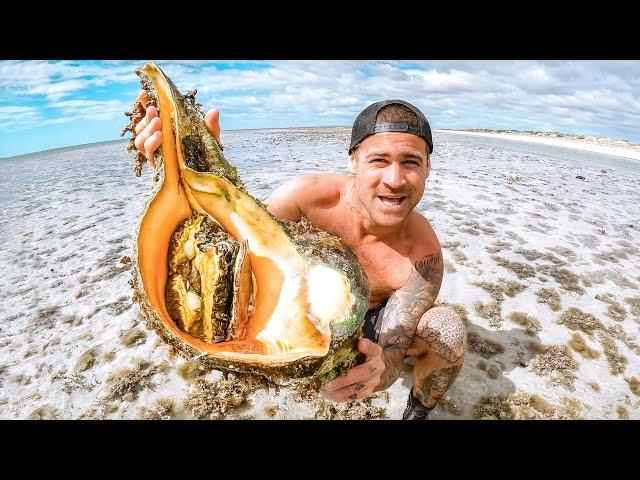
column 443, row 330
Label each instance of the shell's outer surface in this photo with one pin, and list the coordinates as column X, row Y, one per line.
column 286, row 300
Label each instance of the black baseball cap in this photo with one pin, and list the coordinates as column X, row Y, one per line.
column 365, row 124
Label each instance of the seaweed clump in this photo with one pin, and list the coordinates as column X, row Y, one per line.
column 497, row 246
column 525, row 406
column 550, row 297
column 127, row 383
column 623, row 413
column 634, row 303
column 568, row 280
column 501, row 288
column 579, row 345
column 615, row 310
column 498, row 290
column 483, row 346
column 530, row 324
column 617, row 362
column 557, row 364
column 521, row 270
column 575, row 319
column 634, row 385
column 163, row 409
column 354, row 410
column 46, row 412
column 214, row 400
column 492, row 311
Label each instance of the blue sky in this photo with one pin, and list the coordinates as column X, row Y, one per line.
column 50, row 104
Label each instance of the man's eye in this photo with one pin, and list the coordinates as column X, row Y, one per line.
column 411, row 162
column 377, row 160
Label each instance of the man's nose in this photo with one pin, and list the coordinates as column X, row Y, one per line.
column 393, row 177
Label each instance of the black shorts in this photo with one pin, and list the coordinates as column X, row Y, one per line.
column 373, row 322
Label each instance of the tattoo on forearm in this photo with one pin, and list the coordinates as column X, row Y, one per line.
column 445, row 334
column 435, row 385
column 403, row 311
column 406, row 306
column 394, row 363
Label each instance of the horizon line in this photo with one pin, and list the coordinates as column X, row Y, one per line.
column 318, row 126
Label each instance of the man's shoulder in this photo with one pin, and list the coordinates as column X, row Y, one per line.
column 304, row 194
column 426, row 239
column 322, row 178
column 426, row 253
column 320, row 187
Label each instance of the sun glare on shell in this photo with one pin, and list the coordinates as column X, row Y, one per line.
column 329, row 295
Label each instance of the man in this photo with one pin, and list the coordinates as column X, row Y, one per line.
column 373, row 212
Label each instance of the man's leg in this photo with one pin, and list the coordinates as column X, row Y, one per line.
column 438, row 347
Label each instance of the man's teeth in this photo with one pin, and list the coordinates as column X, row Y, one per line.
column 390, row 201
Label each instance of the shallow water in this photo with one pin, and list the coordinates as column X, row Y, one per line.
column 68, row 217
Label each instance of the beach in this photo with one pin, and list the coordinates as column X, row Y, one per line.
column 606, row 146
column 540, row 240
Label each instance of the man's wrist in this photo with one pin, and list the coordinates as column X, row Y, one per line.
column 393, row 362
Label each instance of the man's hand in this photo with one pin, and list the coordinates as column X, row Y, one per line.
column 149, row 134
column 360, row 381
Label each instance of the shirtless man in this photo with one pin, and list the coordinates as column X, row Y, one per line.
column 373, row 212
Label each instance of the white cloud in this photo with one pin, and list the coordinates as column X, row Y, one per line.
column 535, row 79
column 15, row 109
column 57, row 121
column 433, row 81
column 583, row 95
column 16, row 116
column 58, row 90
column 56, row 80
column 91, row 109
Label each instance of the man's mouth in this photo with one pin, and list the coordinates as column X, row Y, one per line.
column 392, row 201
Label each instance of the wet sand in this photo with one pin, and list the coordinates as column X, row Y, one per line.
column 541, row 251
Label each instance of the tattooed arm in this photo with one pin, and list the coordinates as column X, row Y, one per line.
column 384, row 360
column 403, row 311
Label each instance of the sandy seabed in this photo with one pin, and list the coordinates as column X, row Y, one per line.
column 542, row 258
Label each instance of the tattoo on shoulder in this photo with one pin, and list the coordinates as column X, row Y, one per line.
column 430, row 267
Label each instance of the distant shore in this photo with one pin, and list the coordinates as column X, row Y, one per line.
column 607, row 146
column 64, row 149
column 589, row 143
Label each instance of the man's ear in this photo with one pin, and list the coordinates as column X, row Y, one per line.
column 352, row 162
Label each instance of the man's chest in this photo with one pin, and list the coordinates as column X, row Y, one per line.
column 387, row 266
column 386, row 270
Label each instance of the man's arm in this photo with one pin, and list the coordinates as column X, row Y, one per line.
column 403, row 311
column 283, row 202
column 384, row 360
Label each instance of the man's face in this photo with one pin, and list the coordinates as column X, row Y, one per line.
column 390, row 173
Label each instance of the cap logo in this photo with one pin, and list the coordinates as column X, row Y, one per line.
column 396, row 127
